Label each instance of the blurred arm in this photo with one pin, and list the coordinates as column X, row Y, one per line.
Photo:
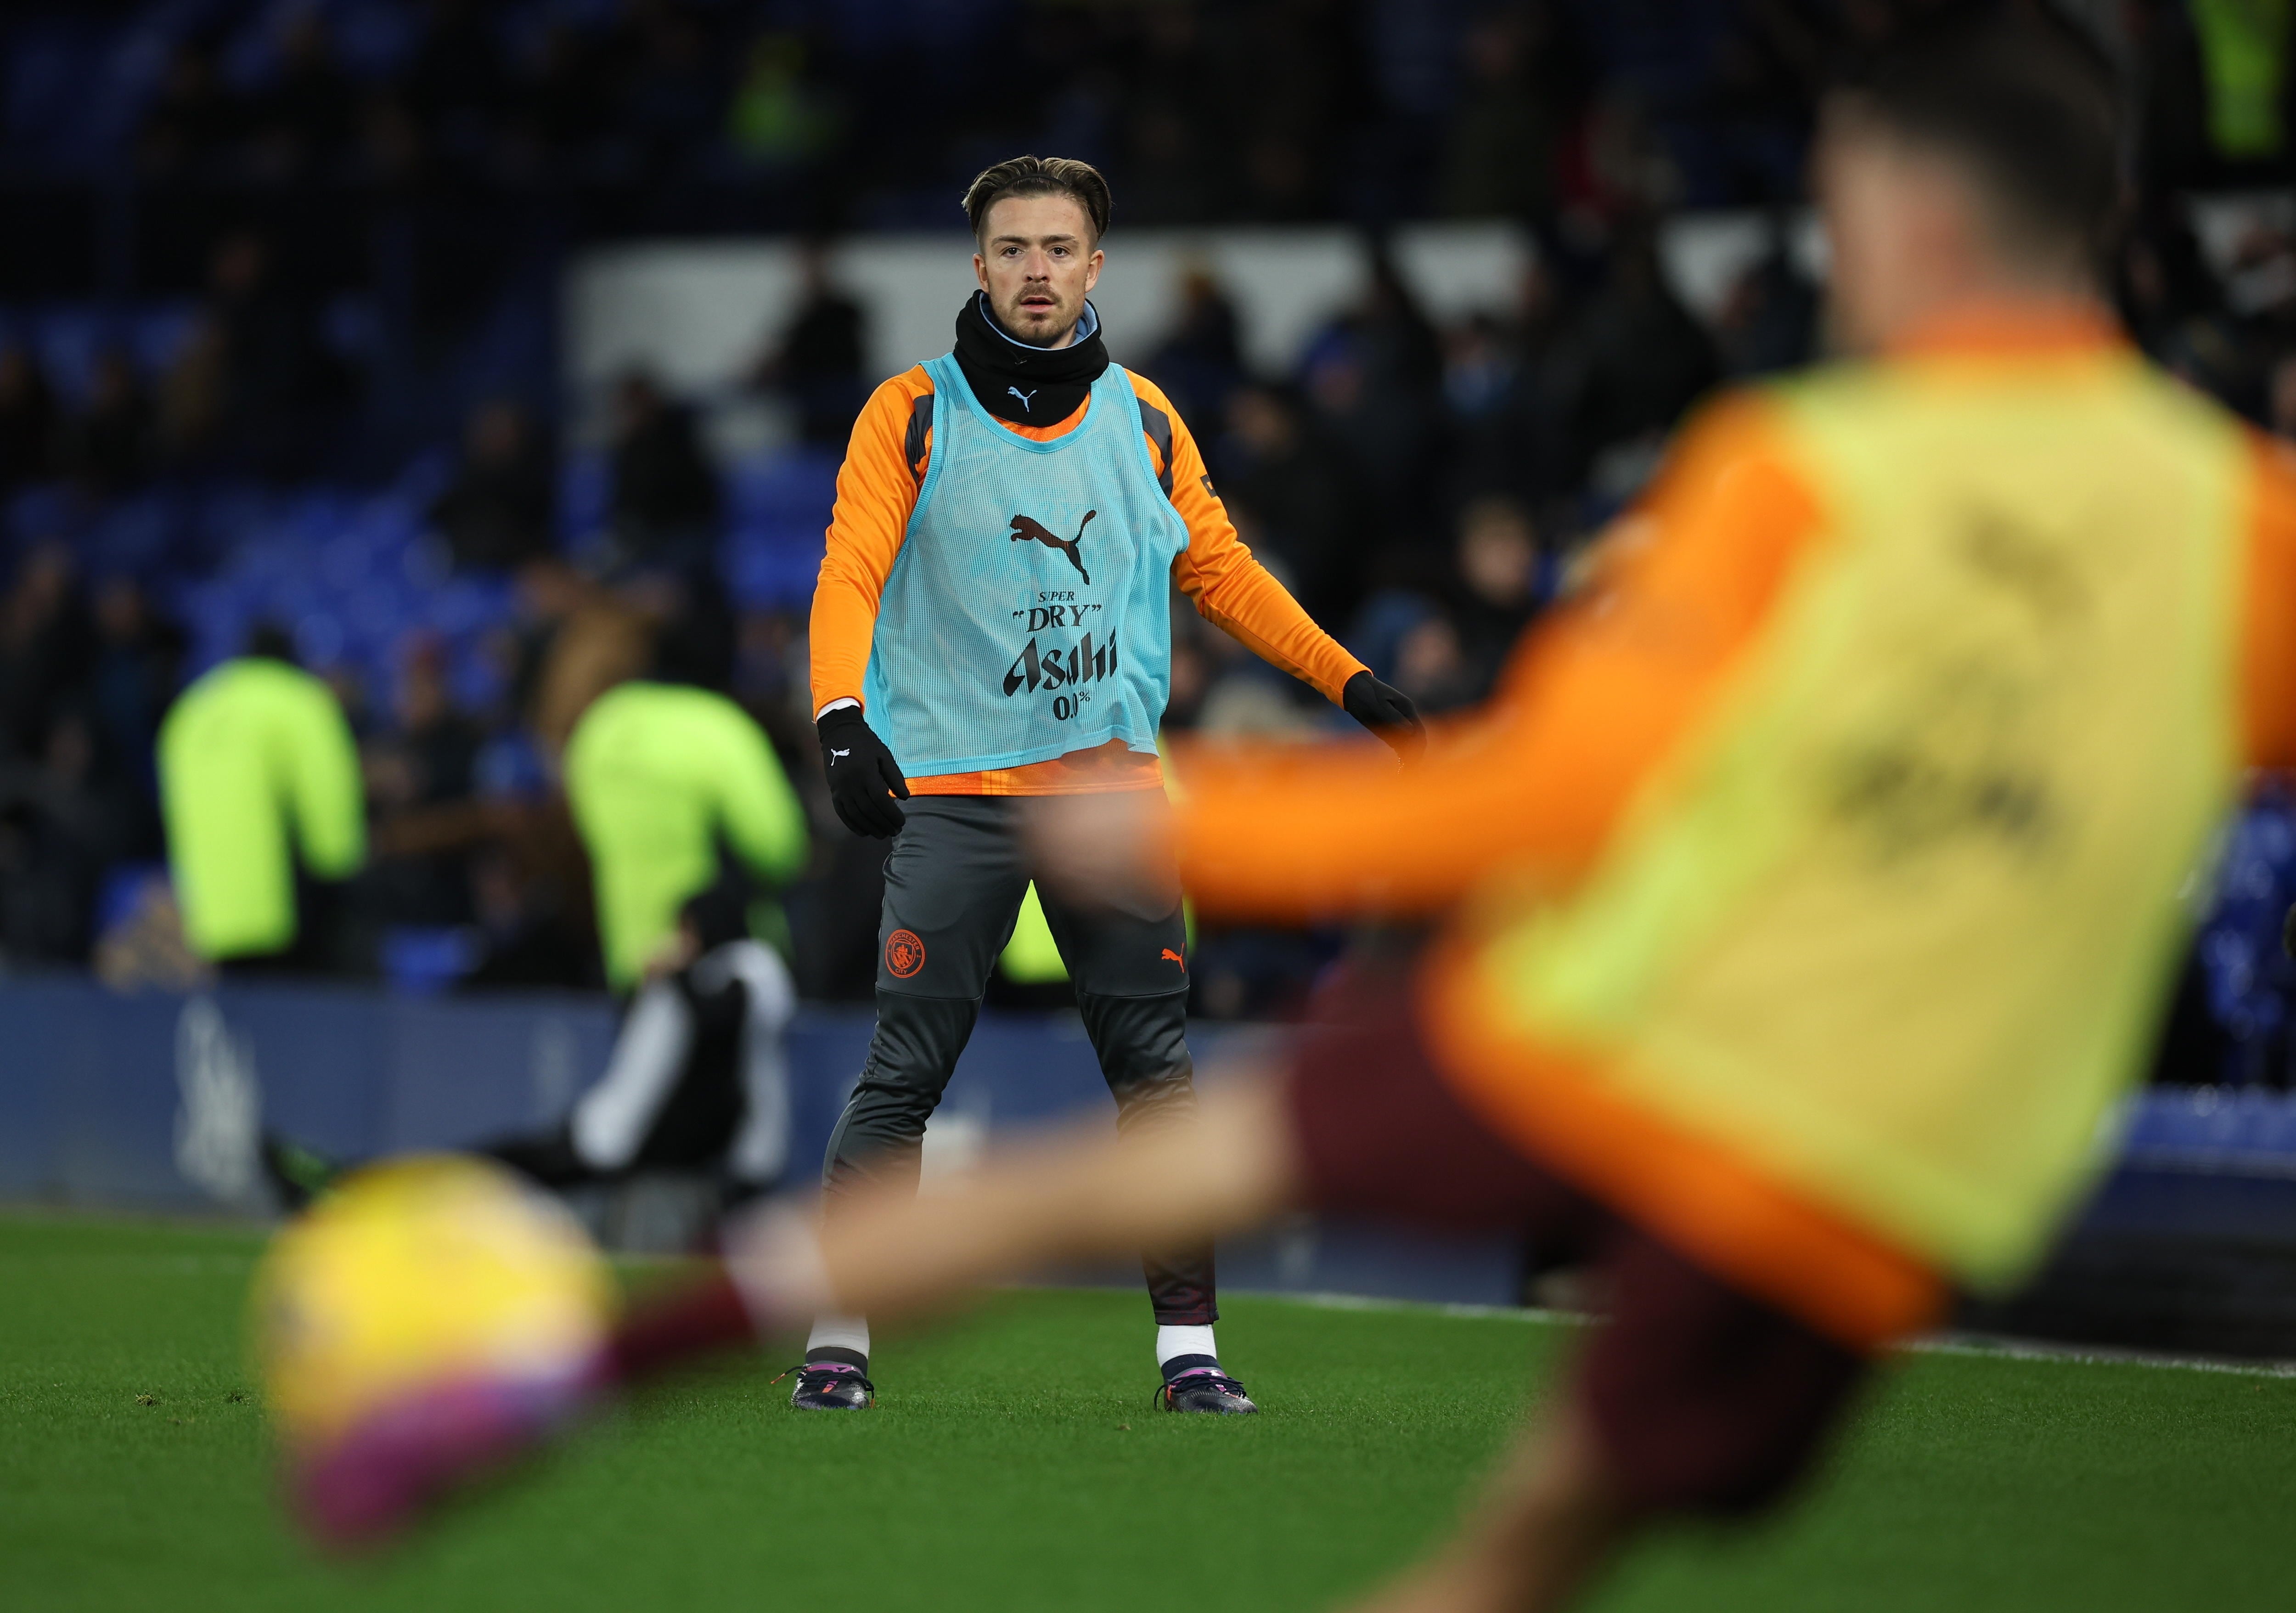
column 1592, row 703
column 322, row 782
column 876, row 493
column 1229, row 587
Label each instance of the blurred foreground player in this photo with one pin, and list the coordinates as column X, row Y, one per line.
column 993, row 623
column 1811, row 888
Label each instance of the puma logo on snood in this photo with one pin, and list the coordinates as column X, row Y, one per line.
column 1026, row 528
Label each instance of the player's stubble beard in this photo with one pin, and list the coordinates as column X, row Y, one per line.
column 1053, row 327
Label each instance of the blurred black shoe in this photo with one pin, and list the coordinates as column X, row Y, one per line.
column 831, row 1387
column 1204, row 1389
column 296, row 1174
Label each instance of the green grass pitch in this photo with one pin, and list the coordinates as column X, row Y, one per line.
column 1013, row 1463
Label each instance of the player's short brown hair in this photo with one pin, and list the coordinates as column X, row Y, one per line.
column 1080, row 182
column 2023, row 98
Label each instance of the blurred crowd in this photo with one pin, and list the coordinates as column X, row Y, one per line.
column 1426, row 486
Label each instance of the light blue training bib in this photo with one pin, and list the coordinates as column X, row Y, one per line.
column 1028, row 613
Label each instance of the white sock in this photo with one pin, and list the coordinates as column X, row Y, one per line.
column 1184, row 1341
column 838, row 1333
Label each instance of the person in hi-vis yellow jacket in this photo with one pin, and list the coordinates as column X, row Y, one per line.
column 257, row 773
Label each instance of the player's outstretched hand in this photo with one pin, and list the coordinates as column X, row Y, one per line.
column 864, row 778
column 1387, row 712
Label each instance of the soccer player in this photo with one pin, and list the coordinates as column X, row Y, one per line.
column 993, row 623
column 1810, row 889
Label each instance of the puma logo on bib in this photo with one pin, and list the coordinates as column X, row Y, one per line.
column 1026, row 528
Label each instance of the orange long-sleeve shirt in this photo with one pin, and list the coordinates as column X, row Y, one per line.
column 877, row 489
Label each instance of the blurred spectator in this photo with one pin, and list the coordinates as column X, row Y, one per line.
column 1499, row 587
column 1306, row 504
column 1169, row 181
column 1172, row 119
column 109, row 446
column 816, row 365
column 1201, row 363
column 671, row 106
column 531, row 907
column 776, row 119
column 278, row 383
column 299, row 126
column 44, row 649
column 1305, row 70
column 146, row 946
column 1432, row 666
column 259, row 777
column 664, row 507
column 454, row 78
column 2281, row 397
column 576, row 641
column 562, row 104
column 427, row 756
column 190, row 414
column 28, row 419
column 498, row 513
column 61, row 826
column 190, row 120
column 1498, row 160
column 1486, row 393
column 2245, row 61
column 1374, row 377
column 138, row 657
column 2260, row 292
column 418, row 775
column 2163, row 281
column 1768, row 322
column 1637, row 361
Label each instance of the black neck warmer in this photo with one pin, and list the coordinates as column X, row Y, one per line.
column 1026, row 385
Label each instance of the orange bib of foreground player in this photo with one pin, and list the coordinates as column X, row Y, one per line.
column 905, row 954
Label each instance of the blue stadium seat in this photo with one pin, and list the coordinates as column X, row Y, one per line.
column 427, row 959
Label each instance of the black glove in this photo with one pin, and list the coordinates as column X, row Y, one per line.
column 863, row 776
column 1387, row 713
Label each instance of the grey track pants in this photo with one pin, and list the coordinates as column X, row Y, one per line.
column 953, row 889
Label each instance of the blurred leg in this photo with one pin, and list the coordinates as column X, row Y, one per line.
column 1074, row 1193
column 1555, row 1515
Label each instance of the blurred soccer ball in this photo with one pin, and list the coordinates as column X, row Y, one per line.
column 421, row 1269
